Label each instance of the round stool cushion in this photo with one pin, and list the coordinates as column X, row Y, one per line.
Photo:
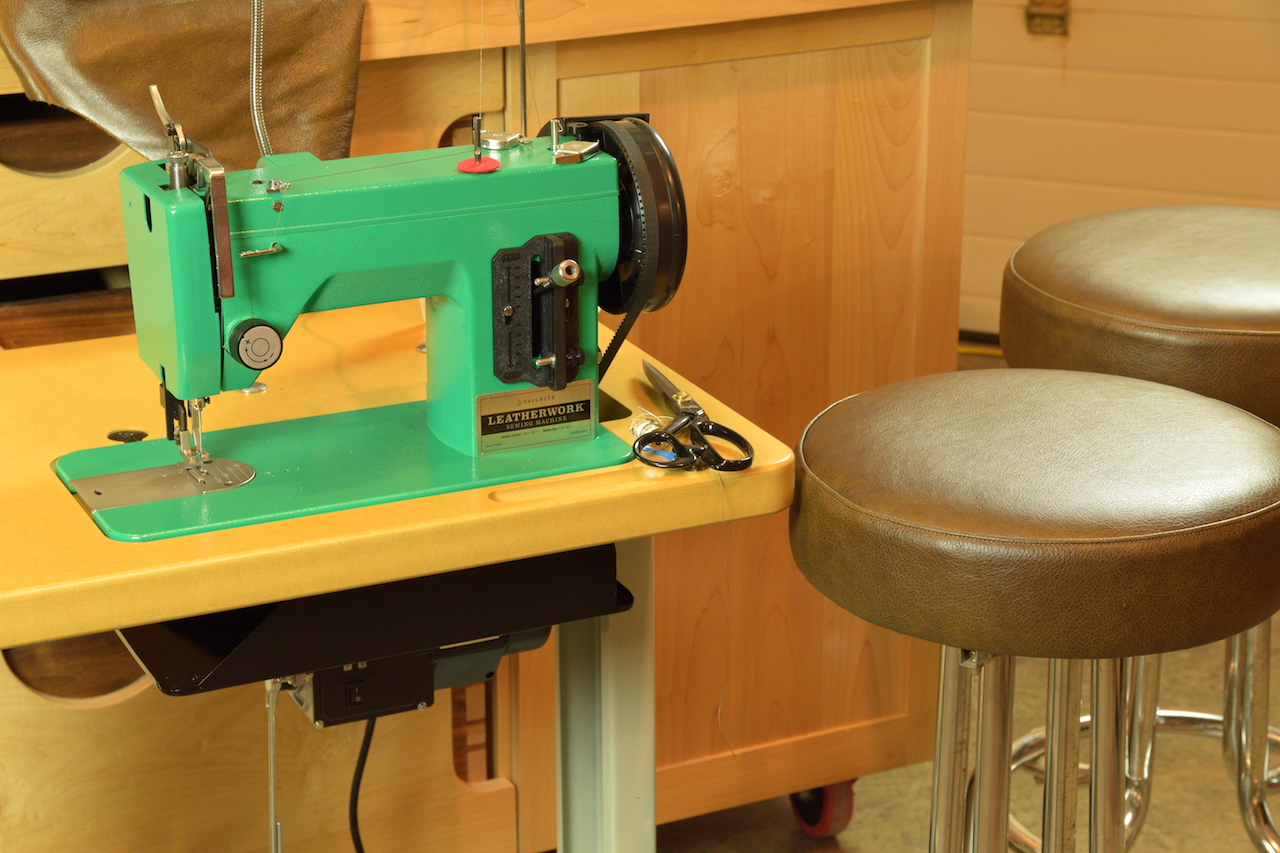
column 1042, row 512
column 1187, row 296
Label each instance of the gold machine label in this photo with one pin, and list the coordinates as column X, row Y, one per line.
column 533, row 417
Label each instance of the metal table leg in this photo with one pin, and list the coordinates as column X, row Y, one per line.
column 605, row 740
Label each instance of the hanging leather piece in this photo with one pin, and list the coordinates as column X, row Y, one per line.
column 97, row 58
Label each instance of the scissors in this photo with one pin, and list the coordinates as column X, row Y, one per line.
column 661, row 449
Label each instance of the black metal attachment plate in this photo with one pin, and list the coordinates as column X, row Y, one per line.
column 531, row 322
column 203, row 653
column 405, row 682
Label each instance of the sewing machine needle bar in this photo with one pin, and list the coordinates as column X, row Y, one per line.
column 195, row 453
column 216, row 176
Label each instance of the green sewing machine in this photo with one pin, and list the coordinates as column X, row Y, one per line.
column 512, row 242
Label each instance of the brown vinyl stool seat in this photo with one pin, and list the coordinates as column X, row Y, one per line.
column 1043, row 513
column 1187, row 296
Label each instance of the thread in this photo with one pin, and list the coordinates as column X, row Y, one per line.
column 728, row 646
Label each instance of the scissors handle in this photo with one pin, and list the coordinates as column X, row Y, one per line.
column 662, row 441
column 712, row 458
column 698, row 453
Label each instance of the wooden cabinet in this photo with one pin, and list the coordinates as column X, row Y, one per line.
column 55, row 223
column 822, row 159
column 821, row 147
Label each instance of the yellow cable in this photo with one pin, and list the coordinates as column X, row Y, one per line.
column 981, row 349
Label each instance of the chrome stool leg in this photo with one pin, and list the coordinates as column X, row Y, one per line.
column 1142, row 693
column 947, row 832
column 995, row 739
column 1231, row 687
column 1062, row 757
column 1245, row 732
column 972, row 813
column 1060, row 746
column 1137, row 706
column 1106, row 785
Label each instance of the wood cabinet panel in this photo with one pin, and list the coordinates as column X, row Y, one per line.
column 398, row 110
column 412, row 27
column 1241, row 106
column 797, row 283
column 690, row 46
column 190, row 774
column 1200, row 162
column 1014, row 208
column 70, row 221
column 823, row 189
column 1248, row 10
column 1150, row 42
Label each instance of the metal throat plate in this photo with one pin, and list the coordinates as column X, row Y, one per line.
column 314, row 465
column 166, row 482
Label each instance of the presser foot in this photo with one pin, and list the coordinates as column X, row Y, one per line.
column 184, row 425
column 192, row 450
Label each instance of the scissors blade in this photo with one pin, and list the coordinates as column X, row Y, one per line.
column 676, row 399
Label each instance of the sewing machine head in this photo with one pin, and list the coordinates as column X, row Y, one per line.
column 510, row 242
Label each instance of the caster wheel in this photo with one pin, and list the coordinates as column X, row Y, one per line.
column 824, row 812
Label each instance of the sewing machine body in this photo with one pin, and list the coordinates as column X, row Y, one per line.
column 356, row 232
column 512, row 262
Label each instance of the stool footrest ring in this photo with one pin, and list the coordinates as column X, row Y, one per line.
column 1031, row 747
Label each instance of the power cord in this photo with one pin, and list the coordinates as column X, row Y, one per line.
column 354, row 812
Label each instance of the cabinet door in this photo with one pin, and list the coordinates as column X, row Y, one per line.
column 821, row 157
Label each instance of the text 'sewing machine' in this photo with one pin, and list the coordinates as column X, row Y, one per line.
column 514, row 243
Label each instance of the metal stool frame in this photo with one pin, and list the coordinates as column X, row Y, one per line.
column 1246, row 738
column 981, row 823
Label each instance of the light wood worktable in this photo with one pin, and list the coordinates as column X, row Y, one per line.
column 61, row 577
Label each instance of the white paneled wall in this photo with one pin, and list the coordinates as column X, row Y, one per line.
column 1146, row 102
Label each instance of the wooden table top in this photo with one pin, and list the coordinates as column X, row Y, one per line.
column 394, row 28
column 62, row 577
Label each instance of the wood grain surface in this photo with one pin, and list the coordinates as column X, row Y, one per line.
column 72, row 317
column 82, row 670
column 158, row 773
column 45, row 139
column 824, row 192
column 68, row 221
column 410, row 27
